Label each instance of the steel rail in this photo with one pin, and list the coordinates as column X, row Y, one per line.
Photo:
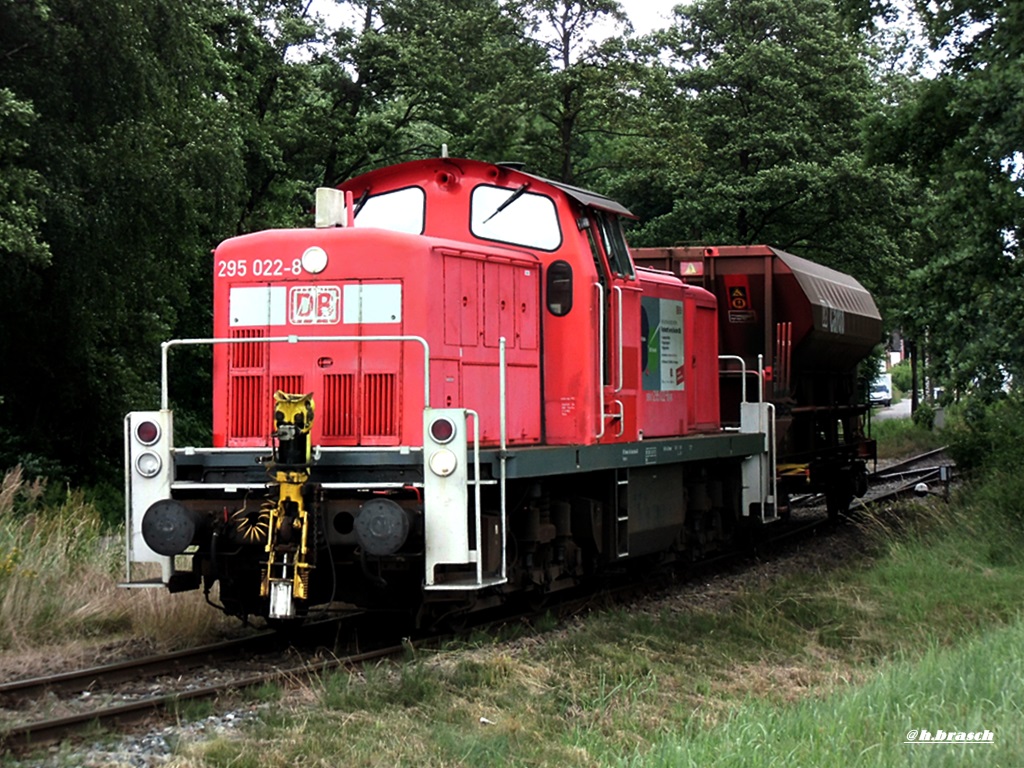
column 119, row 672
column 42, row 732
column 894, row 468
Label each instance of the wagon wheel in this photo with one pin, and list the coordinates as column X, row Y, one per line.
column 838, row 498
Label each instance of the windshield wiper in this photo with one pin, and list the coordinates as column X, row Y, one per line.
column 361, row 202
column 508, row 201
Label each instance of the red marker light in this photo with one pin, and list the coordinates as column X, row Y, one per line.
column 148, row 432
column 442, row 430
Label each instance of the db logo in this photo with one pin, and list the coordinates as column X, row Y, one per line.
column 314, row 305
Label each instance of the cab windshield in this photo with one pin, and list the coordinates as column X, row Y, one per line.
column 515, row 216
column 401, row 210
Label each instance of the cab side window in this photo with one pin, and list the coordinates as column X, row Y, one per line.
column 614, row 244
column 559, row 288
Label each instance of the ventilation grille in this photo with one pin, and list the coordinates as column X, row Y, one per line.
column 290, row 385
column 247, row 355
column 344, row 410
column 379, row 406
column 248, row 409
column 339, row 405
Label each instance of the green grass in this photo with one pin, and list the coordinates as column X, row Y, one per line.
column 974, row 687
column 53, row 563
column 59, row 570
column 902, row 437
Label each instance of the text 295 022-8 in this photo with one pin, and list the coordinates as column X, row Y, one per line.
column 258, row 268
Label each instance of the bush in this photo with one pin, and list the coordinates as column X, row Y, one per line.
column 924, row 416
column 901, row 378
column 999, row 502
column 988, row 435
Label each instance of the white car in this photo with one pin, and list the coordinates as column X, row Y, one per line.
column 881, row 391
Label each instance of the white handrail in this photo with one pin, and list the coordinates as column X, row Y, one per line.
column 743, row 376
column 502, row 456
column 165, row 347
column 773, row 465
column 476, row 494
column 620, row 381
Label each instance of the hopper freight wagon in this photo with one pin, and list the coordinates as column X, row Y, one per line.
column 810, row 326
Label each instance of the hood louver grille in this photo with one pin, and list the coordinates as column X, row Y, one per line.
column 379, row 405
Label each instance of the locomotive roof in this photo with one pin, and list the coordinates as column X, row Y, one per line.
column 404, row 170
column 586, row 197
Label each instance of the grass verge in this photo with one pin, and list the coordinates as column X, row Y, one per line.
column 971, row 688
column 59, row 571
column 902, row 437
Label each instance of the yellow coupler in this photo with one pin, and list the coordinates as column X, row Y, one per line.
column 288, row 539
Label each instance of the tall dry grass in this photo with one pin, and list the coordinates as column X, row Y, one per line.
column 59, row 574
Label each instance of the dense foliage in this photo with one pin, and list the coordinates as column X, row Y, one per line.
column 136, row 134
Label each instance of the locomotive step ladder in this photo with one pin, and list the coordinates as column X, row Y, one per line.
column 621, row 513
column 759, row 480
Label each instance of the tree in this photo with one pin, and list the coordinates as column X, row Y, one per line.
column 961, row 133
column 140, row 167
column 21, row 187
column 583, row 88
column 429, row 72
column 775, row 93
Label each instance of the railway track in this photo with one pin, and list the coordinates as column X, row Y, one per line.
column 50, row 729
column 909, row 466
column 126, row 692
column 83, row 680
column 59, row 705
column 894, row 481
column 906, row 477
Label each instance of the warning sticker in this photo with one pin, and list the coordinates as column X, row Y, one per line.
column 738, row 298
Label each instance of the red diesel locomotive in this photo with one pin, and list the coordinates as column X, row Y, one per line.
column 459, row 386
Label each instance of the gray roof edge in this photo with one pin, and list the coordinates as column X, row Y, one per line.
column 586, row 197
column 809, row 273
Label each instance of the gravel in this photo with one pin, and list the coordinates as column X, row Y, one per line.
column 139, row 750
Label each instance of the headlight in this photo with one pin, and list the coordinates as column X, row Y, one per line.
column 148, row 464
column 443, row 462
column 314, row 260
